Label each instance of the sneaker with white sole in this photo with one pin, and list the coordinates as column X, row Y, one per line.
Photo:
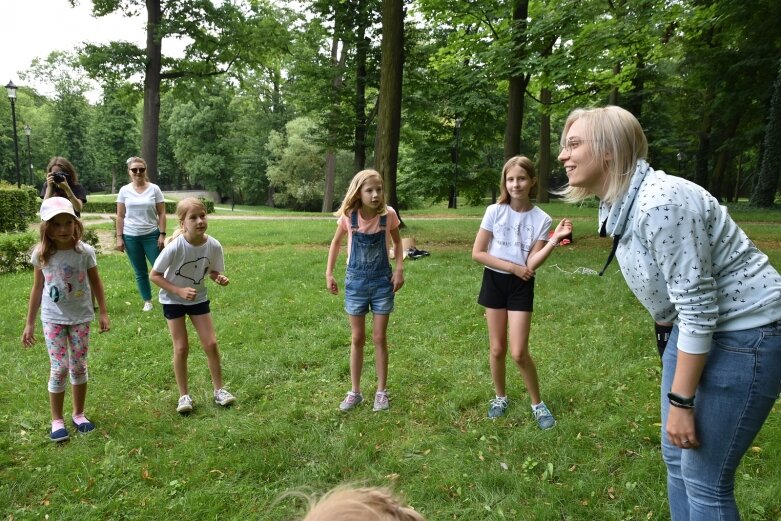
column 542, row 414
column 223, row 397
column 147, row 305
column 185, row 404
column 351, row 401
column 498, row 407
column 381, row 401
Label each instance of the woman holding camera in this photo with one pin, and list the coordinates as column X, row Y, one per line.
column 140, row 224
column 63, row 181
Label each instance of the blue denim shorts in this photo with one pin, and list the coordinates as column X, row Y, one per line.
column 363, row 293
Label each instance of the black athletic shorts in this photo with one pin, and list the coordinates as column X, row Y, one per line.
column 173, row 311
column 506, row 291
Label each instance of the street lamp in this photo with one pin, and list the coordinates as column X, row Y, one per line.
column 27, row 131
column 11, row 88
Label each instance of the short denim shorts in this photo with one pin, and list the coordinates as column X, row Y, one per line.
column 363, row 293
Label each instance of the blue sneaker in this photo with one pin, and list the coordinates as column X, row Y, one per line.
column 59, row 435
column 87, row 426
column 498, row 407
column 542, row 414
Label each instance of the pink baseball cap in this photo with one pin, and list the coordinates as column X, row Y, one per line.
column 55, row 206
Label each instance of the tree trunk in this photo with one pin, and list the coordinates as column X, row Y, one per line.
column 361, row 53
column 151, row 123
column 544, row 167
column 723, row 159
column 767, row 183
column 704, row 137
column 333, row 120
column 391, row 73
column 518, row 83
column 613, row 98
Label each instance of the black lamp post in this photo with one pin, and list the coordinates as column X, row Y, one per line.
column 11, row 88
column 27, row 131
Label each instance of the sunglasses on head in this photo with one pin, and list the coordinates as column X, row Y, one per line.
column 139, row 170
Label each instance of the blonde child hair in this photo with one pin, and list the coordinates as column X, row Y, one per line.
column 360, row 504
column 352, row 199
column 184, row 207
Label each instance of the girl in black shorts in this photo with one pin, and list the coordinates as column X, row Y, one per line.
column 512, row 242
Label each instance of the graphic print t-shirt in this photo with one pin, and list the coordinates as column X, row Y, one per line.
column 67, row 296
column 514, row 234
column 188, row 266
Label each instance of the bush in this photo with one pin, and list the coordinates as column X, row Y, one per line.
column 18, row 207
column 111, row 207
column 15, row 249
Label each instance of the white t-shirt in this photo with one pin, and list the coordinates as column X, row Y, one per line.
column 514, row 234
column 140, row 209
column 188, row 266
column 67, row 296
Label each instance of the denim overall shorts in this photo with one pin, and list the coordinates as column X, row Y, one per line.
column 367, row 283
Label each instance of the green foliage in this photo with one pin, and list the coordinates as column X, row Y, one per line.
column 15, row 249
column 296, row 167
column 110, row 207
column 18, row 207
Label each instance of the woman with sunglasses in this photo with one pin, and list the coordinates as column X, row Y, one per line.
column 63, row 181
column 140, row 224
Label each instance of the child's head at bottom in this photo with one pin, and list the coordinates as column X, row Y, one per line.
column 361, row 504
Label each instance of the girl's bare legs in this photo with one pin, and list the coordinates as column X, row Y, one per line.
column 520, row 324
column 497, row 341
column 56, row 401
column 205, row 328
column 79, row 397
column 178, row 330
column 358, row 327
column 379, row 336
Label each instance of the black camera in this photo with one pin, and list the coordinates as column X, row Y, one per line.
column 59, row 177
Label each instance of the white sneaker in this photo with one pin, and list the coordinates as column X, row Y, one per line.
column 185, row 404
column 223, row 397
column 148, row 305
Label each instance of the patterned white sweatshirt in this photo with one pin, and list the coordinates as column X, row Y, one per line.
column 687, row 261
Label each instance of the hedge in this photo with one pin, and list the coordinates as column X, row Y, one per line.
column 18, row 207
column 15, row 249
column 111, row 207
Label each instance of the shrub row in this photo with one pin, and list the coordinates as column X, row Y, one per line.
column 18, row 207
column 111, row 207
column 15, row 249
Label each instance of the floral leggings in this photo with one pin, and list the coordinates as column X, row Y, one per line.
column 62, row 361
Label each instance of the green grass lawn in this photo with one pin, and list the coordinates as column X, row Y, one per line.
column 285, row 345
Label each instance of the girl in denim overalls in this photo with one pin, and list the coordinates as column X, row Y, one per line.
column 369, row 283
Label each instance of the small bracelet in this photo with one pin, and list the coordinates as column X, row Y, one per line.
column 680, row 402
column 553, row 243
column 162, row 233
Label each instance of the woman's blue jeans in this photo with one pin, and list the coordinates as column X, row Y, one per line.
column 139, row 248
column 740, row 383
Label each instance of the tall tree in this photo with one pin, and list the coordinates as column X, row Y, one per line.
column 224, row 36
column 391, row 75
column 767, row 185
column 519, row 79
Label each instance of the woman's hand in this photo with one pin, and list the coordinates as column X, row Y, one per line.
column 120, row 244
column 160, row 242
column 680, row 428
